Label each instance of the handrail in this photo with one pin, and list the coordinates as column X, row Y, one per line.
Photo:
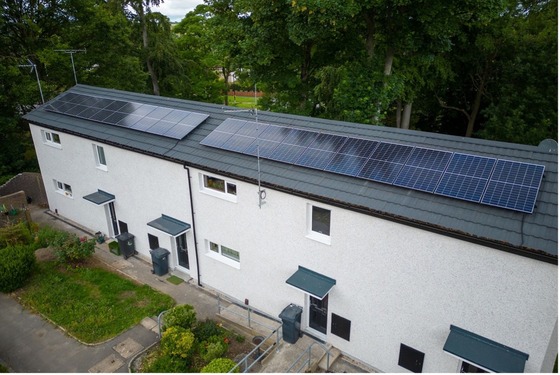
column 257, row 350
column 249, row 310
column 161, row 314
column 308, row 361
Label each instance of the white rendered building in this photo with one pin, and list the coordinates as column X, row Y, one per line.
column 418, row 258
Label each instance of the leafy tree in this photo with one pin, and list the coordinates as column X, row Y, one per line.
column 523, row 96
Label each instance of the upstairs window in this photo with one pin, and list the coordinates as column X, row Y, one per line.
column 51, row 138
column 321, row 221
column 319, row 224
column 100, row 160
column 219, row 187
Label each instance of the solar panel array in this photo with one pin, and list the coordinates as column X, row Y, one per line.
column 495, row 182
column 167, row 122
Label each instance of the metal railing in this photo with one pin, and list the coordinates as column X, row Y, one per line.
column 256, row 355
column 308, row 360
column 159, row 320
column 245, row 316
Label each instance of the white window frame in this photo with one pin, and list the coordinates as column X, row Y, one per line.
column 97, row 156
column 229, row 192
column 51, row 139
column 216, row 251
column 317, row 236
column 63, row 188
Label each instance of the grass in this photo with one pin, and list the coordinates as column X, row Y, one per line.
column 92, row 304
column 242, row 101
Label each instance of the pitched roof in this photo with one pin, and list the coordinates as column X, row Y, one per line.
column 534, row 235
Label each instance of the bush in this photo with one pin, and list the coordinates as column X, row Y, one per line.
column 222, row 365
column 166, row 364
column 177, row 341
column 180, row 316
column 70, row 248
column 16, row 266
column 46, row 236
column 15, row 234
column 213, row 348
column 205, row 330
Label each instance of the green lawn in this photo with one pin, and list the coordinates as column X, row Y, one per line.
column 92, row 304
column 242, row 101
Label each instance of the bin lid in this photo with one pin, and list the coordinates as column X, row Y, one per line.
column 125, row 236
column 159, row 253
column 291, row 312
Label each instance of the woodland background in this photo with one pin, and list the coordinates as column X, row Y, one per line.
column 474, row 68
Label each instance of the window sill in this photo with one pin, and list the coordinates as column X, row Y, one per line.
column 319, row 237
column 65, row 194
column 53, row 145
column 217, row 194
column 223, row 259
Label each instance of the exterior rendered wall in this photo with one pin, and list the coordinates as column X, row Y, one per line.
column 396, row 284
column 144, row 189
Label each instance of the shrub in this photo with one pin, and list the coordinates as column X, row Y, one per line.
column 181, row 316
column 204, row 330
column 166, row 364
column 16, row 265
column 46, row 236
column 214, row 348
column 15, row 234
column 222, row 365
column 70, row 248
column 177, row 341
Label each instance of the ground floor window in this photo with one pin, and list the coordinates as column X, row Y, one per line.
column 223, row 251
column 63, row 188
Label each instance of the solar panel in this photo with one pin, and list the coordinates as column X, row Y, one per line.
column 385, row 162
column 514, row 185
column 143, row 117
column 315, row 158
column 423, row 169
column 216, row 139
column 264, row 147
column 349, row 165
column 466, row 177
column 501, row 183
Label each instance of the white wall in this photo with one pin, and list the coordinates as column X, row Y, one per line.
column 395, row 283
column 144, row 189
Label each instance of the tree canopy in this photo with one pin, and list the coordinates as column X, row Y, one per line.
column 477, row 68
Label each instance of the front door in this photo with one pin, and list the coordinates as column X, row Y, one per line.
column 181, row 246
column 114, row 221
column 318, row 313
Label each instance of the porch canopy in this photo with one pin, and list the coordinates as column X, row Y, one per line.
column 169, row 225
column 311, row 282
column 484, row 353
column 100, row 197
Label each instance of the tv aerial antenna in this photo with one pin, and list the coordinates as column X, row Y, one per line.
column 255, row 111
column 34, row 68
column 71, row 52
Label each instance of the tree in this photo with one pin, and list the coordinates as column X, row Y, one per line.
column 523, row 96
column 143, row 18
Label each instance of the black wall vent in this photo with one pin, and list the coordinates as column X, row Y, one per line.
column 340, row 327
column 411, row 359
